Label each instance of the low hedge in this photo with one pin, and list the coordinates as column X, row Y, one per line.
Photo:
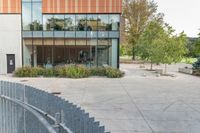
column 113, row 73
column 71, row 71
column 29, row 72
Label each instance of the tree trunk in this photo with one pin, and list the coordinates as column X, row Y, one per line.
column 151, row 66
column 133, row 54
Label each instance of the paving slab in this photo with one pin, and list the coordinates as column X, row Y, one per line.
column 135, row 103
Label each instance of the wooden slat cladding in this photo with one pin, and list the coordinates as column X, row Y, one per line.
column 82, row 6
column 10, row 6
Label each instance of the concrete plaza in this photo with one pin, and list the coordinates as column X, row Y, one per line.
column 134, row 103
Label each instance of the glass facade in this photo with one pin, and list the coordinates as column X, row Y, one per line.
column 57, row 39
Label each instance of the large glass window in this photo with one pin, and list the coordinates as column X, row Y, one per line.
column 26, row 16
column 69, row 22
column 92, row 22
column 81, row 22
column 37, row 16
column 48, row 22
column 103, row 22
column 114, row 22
column 103, row 52
column 59, row 22
column 93, row 51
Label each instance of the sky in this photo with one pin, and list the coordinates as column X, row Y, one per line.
column 182, row 15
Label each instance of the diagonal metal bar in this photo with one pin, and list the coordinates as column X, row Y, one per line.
column 35, row 113
column 47, row 115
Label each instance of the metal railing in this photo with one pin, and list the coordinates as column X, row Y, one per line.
column 25, row 109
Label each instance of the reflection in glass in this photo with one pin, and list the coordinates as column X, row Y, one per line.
column 37, row 16
column 48, row 22
column 59, row 22
column 103, row 52
column 81, row 23
column 103, row 22
column 93, row 51
column 91, row 22
column 70, row 22
column 114, row 22
column 80, row 42
column 26, row 16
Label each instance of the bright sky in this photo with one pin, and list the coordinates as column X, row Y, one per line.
column 183, row 15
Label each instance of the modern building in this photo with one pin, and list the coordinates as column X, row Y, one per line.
column 50, row 33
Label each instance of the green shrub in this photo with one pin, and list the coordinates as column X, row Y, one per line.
column 29, row 72
column 74, row 71
column 39, row 71
column 196, row 65
column 58, row 72
column 48, row 72
column 98, row 71
column 108, row 72
column 114, row 73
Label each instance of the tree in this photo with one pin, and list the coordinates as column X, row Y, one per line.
column 191, row 45
column 137, row 14
column 158, row 44
column 146, row 47
column 197, row 46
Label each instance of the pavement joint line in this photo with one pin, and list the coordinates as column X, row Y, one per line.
column 171, row 104
column 133, row 102
column 196, row 110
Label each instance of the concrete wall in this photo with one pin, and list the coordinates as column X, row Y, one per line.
column 10, row 40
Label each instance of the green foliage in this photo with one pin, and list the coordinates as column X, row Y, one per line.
column 108, row 72
column 71, row 71
column 137, row 14
column 158, row 44
column 75, row 72
column 146, row 47
column 29, row 72
column 188, row 60
column 197, row 46
column 113, row 73
column 196, row 65
column 98, row 71
column 125, row 49
column 48, row 72
column 191, row 46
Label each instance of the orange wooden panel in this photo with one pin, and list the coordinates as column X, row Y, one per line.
column 82, row 6
column 93, row 6
column 73, row 6
column 101, row 6
column 10, row 6
column 55, row 6
column 85, row 6
column 107, row 5
column 5, row 6
column 117, row 5
column 78, row 5
column 69, row 6
column 62, row 10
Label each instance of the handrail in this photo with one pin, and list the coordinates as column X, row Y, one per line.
column 47, row 115
column 34, row 112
